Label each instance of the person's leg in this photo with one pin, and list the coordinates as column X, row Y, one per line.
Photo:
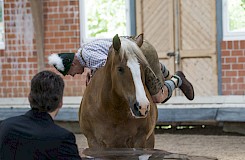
column 165, row 71
column 159, row 81
column 178, row 80
column 153, row 73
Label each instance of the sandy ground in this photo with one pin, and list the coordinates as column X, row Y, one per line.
column 223, row 147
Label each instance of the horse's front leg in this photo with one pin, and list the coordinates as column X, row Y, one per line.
column 150, row 142
column 93, row 143
column 144, row 141
column 139, row 141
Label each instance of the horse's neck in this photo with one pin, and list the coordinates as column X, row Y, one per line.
column 100, row 84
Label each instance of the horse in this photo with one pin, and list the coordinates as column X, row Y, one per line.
column 117, row 110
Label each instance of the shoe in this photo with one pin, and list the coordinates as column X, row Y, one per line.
column 186, row 87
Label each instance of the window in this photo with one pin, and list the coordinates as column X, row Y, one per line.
column 233, row 19
column 2, row 38
column 105, row 18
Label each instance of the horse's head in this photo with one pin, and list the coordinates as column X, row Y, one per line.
column 127, row 60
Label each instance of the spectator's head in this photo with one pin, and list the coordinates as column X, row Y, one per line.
column 46, row 93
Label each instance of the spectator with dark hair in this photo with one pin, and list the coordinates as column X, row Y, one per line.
column 34, row 135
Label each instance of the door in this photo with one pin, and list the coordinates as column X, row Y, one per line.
column 187, row 30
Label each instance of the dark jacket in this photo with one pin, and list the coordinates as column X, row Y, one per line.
column 36, row 136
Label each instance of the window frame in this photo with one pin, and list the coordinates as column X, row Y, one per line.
column 227, row 34
column 2, row 43
column 130, row 20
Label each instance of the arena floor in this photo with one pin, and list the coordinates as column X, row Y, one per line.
column 223, row 147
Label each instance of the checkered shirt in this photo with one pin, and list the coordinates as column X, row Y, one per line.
column 93, row 55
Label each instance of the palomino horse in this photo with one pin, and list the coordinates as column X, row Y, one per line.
column 117, row 110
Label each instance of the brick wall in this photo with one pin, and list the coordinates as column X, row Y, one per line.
column 19, row 59
column 62, row 34
column 233, row 67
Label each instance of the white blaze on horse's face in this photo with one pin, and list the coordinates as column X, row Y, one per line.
column 141, row 97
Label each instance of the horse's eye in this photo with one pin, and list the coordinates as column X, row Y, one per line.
column 120, row 69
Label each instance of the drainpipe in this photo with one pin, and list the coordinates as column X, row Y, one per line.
column 219, row 37
column 176, row 53
column 176, row 40
column 176, row 35
column 37, row 17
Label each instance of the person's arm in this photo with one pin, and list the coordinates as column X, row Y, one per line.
column 69, row 149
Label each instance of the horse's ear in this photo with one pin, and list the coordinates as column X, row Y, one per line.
column 116, row 42
column 139, row 40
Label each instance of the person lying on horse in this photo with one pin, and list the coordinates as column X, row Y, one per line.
column 93, row 55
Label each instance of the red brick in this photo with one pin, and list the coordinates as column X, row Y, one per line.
column 59, row 34
column 224, row 45
column 64, row 40
column 226, row 66
column 10, row 36
column 6, row 66
column 241, row 60
column 53, row 16
column 32, row 60
column 242, row 44
column 64, row 28
column 69, row 33
column 231, row 73
column 226, row 93
column 69, row 46
column 237, row 66
column 226, row 53
column 69, row 21
column 53, row 28
column 232, row 86
column 74, row 3
column 222, row 60
column 230, row 60
column 237, row 53
column 63, row 3
column 52, row 4
column 229, row 44
column 74, row 40
column 63, row 16
column 6, row 78
column 49, row 46
column 237, row 80
column 75, row 27
column 48, row 34
column 54, row 40
column 241, row 73
column 238, row 92
column 226, row 80
column 59, row 46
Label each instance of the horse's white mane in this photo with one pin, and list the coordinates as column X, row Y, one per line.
column 129, row 49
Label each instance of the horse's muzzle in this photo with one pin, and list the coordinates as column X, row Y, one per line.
column 139, row 111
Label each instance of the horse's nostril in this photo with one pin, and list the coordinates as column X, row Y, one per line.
column 136, row 106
